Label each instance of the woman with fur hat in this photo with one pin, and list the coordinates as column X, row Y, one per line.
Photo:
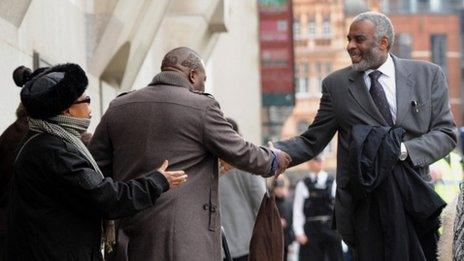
column 58, row 194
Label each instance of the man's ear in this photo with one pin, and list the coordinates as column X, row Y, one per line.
column 384, row 43
column 191, row 76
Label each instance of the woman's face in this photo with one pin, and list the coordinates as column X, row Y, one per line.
column 80, row 108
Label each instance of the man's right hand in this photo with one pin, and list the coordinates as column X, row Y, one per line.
column 174, row 178
column 302, row 239
column 282, row 157
column 284, row 161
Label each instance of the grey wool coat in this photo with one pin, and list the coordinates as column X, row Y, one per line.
column 168, row 120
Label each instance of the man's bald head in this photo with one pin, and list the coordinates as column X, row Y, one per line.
column 187, row 62
column 181, row 58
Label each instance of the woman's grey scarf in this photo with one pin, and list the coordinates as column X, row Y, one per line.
column 69, row 129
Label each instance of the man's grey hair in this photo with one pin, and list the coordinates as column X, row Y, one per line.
column 383, row 25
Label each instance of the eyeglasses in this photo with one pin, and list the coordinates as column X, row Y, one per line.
column 85, row 100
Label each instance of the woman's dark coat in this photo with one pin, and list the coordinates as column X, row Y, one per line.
column 57, row 202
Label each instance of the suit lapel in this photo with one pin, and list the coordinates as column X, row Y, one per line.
column 358, row 90
column 404, row 83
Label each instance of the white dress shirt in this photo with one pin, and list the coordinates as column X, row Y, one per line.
column 301, row 194
column 387, row 80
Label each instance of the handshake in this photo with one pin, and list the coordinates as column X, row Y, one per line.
column 282, row 158
column 279, row 164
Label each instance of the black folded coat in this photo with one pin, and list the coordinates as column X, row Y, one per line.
column 395, row 212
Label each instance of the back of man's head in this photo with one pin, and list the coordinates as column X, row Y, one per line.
column 181, row 58
column 187, row 62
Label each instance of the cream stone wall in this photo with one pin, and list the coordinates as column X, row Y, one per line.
column 235, row 70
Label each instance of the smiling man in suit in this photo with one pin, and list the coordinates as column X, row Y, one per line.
column 378, row 89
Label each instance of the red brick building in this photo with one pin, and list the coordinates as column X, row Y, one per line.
column 434, row 38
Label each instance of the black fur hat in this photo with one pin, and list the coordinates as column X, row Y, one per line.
column 47, row 92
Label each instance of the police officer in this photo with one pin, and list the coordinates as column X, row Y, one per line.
column 312, row 215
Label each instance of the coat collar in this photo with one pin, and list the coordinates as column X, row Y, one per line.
column 171, row 78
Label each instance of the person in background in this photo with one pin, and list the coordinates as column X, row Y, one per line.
column 446, row 174
column 58, row 195
column 285, row 207
column 313, row 208
column 9, row 140
column 240, row 196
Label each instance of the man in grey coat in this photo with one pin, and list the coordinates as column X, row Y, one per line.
column 173, row 119
column 378, row 89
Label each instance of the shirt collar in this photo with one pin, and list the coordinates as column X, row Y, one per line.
column 387, row 68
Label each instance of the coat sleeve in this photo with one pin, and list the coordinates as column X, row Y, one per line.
column 441, row 138
column 221, row 140
column 113, row 199
column 311, row 142
column 101, row 148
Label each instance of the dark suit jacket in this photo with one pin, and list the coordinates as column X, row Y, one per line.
column 430, row 128
column 393, row 208
column 167, row 120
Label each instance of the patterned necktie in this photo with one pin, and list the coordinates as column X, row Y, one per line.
column 379, row 97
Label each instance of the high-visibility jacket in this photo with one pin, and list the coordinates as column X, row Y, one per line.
column 450, row 168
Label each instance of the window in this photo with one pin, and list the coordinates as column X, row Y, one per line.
column 323, row 69
column 403, row 45
column 296, row 29
column 438, row 45
column 311, row 29
column 302, row 82
column 326, row 30
column 297, row 76
column 318, row 75
column 302, row 86
column 328, row 68
column 281, row 25
column 306, row 76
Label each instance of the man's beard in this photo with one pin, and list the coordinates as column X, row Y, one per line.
column 371, row 59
